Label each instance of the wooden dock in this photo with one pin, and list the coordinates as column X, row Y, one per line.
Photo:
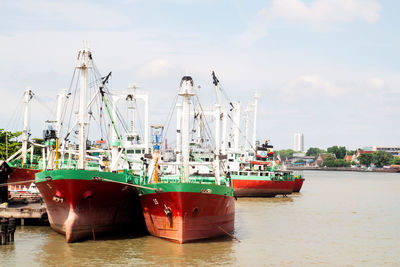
column 24, row 211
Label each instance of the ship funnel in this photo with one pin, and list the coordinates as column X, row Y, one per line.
column 186, row 88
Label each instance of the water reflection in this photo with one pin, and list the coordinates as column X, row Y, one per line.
column 131, row 251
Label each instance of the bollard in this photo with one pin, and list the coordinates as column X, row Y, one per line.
column 12, row 224
column 3, row 231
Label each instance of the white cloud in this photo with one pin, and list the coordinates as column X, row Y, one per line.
column 376, row 83
column 317, row 11
column 257, row 29
column 155, row 68
column 307, row 85
column 72, row 13
column 325, row 10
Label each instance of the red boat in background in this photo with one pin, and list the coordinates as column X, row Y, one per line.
column 260, row 177
column 20, row 175
column 260, row 187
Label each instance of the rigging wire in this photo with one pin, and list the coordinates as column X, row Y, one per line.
column 15, row 115
column 206, row 122
column 169, row 117
column 41, row 102
column 72, row 111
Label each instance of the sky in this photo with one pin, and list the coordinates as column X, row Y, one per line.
column 329, row 69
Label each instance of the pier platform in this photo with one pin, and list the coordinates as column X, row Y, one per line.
column 24, row 211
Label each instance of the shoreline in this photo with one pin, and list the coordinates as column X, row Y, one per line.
column 343, row 169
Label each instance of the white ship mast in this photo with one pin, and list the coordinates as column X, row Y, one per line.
column 27, row 97
column 256, row 97
column 236, row 126
column 178, row 133
column 217, row 142
column 246, row 131
column 84, row 63
column 218, row 113
column 131, row 96
column 186, row 91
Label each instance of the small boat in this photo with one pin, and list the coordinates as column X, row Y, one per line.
column 259, row 177
column 257, row 180
column 181, row 206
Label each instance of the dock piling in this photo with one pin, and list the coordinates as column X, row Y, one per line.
column 12, row 224
column 3, row 231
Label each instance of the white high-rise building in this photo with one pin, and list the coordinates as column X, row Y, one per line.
column 298, row 142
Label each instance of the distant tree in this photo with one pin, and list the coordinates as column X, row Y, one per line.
column 395, row 161
column 331, row 162
column 339, row 152
column 329, row 157
column 342, row 163
column 13, row 144
column 365, row 159
column 381, row 158
column 314, row 151
column 351, row 152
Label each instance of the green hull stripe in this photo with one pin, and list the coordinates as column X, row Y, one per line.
column 86, row 175
column 189, row 187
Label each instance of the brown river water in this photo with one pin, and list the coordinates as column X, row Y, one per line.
column 339, row 219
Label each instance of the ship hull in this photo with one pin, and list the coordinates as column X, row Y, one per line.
column 186, row 216
column 298, row 185
column 261, row 188
column 82, row 208
column 22, row 175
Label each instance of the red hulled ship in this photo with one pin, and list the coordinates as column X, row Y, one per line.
column 181, row 206
column 82, row 204
column 188, row 212
column 91, row 193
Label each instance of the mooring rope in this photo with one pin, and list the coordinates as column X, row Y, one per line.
column 229, row 234
column 134, row 185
